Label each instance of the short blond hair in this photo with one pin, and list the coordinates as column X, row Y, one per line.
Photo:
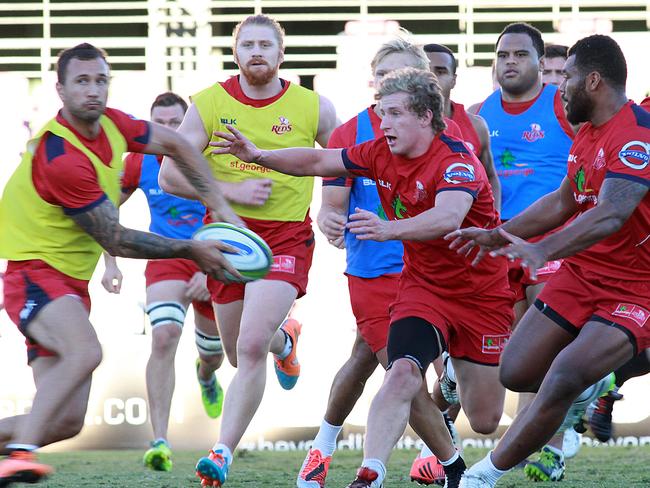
column 424, row 93
column 260, row 19
column 401, row 45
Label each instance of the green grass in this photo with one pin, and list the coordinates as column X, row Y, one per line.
column 594, row 468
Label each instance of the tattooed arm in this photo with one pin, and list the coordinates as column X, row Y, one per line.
column 617, row 200
column 194, row 169
column 102, row 223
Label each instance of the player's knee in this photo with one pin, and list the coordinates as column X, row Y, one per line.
column 515, row 378
column 362, row 357
column 484, row 422
column 165, row 340
column 69, row 426
column 404, row 377
column 252, row 348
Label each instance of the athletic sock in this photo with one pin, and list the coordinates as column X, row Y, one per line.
column 451, row 460
column 325, row 440
column 486, row 468
column 288, row 346
column 224, row 450
column 161, row 440
column 378, row 467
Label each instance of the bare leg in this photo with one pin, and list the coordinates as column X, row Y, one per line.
column 62, row 326
column 161, row 374
column 265, row 306
column 598, row 350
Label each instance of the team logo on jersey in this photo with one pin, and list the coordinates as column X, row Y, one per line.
column 637, row 314
column 535, row 133
column 420, row 192
column 584, row 195
column 399, row 208
column 579, row 179
column 600, row 162
column 457, row 173
column 635, row 154
column 283, row 127
column 494, row 344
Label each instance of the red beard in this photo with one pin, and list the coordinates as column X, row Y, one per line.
column 257, row 76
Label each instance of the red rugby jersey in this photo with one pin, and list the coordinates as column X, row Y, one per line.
column 408, row 187
column 64, row 176
column 471, row 138
column 619, row 148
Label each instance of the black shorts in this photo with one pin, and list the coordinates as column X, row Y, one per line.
column 415, row 339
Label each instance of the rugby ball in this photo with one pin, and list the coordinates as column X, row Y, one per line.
column 253, row 258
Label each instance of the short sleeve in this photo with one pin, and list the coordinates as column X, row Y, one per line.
column 629, row 153
column 136, row 131
column 132, row 172
column 69, row 180
column 358, row 159
column 460, row 173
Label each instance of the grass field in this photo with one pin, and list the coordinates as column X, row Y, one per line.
column 619, row 467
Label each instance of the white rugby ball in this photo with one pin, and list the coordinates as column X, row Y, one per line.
column 253, row 258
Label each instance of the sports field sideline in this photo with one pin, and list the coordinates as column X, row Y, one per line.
column 611, row 467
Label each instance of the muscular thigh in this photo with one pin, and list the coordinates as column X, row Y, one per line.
column 168, row 291
column 538, row 337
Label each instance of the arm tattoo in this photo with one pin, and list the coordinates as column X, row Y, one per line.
column 102, row 223
column 194, row 177
column 625, row 195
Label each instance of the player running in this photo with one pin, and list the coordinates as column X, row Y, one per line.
column 590, row 318
column 530, row 139
column 57, row 212
column 372, row 271
column 428, row 182
column 172, row 285
column 274, row 113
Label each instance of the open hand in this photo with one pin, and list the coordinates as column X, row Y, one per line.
column 532, row 256
column 368, row 226
column 237, row 144
column 465, row 240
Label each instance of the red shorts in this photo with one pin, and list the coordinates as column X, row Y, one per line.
column 158, row 270
column 292, row 244
column 520, row 279
column 475, row 328
column 576, row 296
column 370, row 299
column 28, row 287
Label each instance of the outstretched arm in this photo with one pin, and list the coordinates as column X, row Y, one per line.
column 102, row 223
column 547, row 213
column 194, row 169
column 296, row 161
column 618, row 198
